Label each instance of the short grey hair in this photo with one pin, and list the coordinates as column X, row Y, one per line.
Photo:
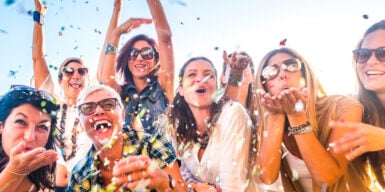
column 94, row 88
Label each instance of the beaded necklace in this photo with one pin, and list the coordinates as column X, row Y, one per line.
column 61, row 136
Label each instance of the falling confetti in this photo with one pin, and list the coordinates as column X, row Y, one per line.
column 365, row 16
column 12, row 73
column 283, row 42
column 9, row 2
column 3, row 31
column 216, row 48
column 179, row 2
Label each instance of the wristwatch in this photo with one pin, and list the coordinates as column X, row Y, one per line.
column 171, row 182
column 110, row 49
column 38, row 17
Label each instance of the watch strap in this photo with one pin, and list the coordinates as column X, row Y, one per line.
column 38, row 17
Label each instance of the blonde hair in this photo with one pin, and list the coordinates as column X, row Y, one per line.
column 314, row 90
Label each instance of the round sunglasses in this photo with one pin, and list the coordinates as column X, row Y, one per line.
column 362, row 55
column 272, row 71
column 69, row 71
column 147, row 53
column 90, row 107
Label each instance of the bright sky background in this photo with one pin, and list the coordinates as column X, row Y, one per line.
column 325, row 32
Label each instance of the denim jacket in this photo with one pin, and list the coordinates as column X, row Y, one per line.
column 148, row 104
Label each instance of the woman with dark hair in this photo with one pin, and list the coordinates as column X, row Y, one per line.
column 27, row 154
column 293, row 127
column 212, row 139
column 364, row 143
column 147, row 70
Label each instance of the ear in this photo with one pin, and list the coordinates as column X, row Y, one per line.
column 223, row 79
column 180, row 90
column 1, row 127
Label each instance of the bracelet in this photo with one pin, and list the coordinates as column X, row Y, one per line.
column 38, row 17
column 15, row 173
column 301, row 129
column 235, row 79
column 110, row 49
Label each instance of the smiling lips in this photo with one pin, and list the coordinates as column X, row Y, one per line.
column 102, row 125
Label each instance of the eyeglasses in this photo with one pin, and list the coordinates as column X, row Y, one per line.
column 147, row 53
column 272, row 71
column 69, row 71
column 30, row 94
column 90, row 107
column 362, row 55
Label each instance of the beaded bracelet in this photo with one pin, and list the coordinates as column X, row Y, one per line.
column 15, row 173
column 235, row 79
column 301, row 129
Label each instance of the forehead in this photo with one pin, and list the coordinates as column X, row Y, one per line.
column 374, row 40
column 278, row 58
column 29, row 111
column 74, row 65
column 141, row 43
column 199, row 65
column 99, row 95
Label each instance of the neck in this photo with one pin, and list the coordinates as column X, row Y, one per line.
column 201, row 117
column 381, row 97
column 140, row 83
column 71, row 102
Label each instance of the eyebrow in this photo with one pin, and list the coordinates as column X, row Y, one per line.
column 25, row 116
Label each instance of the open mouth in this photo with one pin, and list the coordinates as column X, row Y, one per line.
column 374, row 73
column 75, row 85
column 102, row 125
column 201, row 90
column 141, row 67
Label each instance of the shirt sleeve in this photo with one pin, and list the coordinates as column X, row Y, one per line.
column 235, row 125
column 161, row 151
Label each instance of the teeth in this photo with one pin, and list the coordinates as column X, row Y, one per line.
column 374, row 73
column 103, row 124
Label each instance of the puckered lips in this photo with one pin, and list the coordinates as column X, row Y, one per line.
column 102, row 125
column 27, row 148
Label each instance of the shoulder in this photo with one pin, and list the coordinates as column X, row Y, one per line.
column 338, row 101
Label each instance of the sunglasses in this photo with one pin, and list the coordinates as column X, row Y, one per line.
column 30, row 94
column 90, row 107
column 69, row 71
column 147, row 53
column 290, row 65
column 362, row 55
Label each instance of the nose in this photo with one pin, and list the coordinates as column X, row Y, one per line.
column 29, row 135
column 372, row 59
column 98, row 110
column 282, row 74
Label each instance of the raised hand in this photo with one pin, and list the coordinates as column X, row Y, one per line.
column 358, row 139
column 23, row 163
column 291, row 98
column 236, row 62
column 130, row 24
column 39, row 7
column 271, row 103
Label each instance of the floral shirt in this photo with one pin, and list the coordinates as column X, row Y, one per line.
column 86, row 176
column 148, row 104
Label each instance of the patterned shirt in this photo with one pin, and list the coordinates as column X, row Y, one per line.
column 86, row 176
column 148, row 104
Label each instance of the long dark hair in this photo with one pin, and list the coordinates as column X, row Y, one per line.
column 373, row 114
column 181, row 115
column 124, row 56
column 44, row 176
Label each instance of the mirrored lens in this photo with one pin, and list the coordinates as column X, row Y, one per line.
column 147, row 53
column 70, row 71
column 292, row 65
column 270, row 72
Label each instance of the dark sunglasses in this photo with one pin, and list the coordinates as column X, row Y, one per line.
column 362, row 55
column 70, row 71
column 90, row 107
column 272, row 71
column 147, row 53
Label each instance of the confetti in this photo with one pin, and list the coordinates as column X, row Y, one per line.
column 3, row 31
column 283, row 42
column 9, row 2
column 365, row 16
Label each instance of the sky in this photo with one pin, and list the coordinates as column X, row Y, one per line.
column 324, row 32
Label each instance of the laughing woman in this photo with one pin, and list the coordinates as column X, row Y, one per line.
column 27, row 155
column 212, row 139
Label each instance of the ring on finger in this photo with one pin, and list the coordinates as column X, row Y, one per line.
column 129, row 179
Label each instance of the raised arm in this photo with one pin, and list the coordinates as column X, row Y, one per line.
column 40, row 68
column 107, row 71
column 166, row 53
column 113, row 24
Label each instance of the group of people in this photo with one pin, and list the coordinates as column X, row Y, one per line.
column 272, row 127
